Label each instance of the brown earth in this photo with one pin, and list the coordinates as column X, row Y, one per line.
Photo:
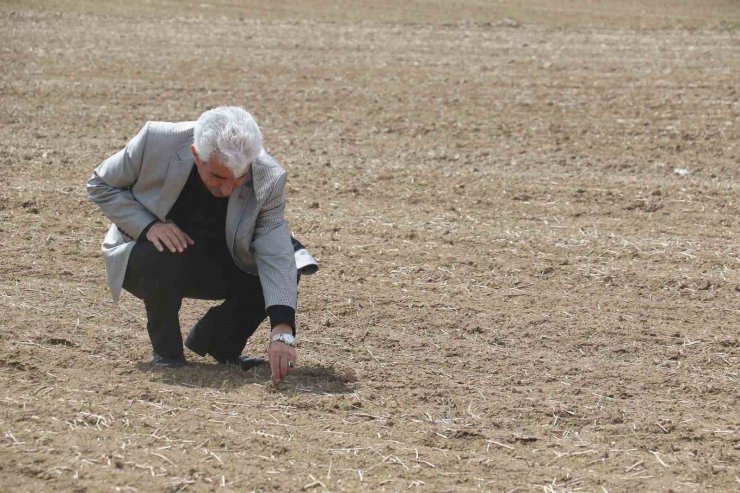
column 517, row 292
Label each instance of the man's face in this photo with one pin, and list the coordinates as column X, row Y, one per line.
column 218, row 179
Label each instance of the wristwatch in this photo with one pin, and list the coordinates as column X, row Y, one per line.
column 285, row 338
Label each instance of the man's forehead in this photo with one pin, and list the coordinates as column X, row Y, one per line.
column 220, row 170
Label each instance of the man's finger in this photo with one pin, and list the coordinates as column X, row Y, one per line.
column 290, row 359
column 275, row 368
column 182, row 238
column 186, row 239
column 174, row 235
column 157, row 245
column 283, row 367
column 178, row 240
column 168, row 244
column 175, row 246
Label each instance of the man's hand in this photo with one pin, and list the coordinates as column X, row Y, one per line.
column 168, row 235
column 280, row 354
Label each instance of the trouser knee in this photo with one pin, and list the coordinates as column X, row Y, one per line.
column 151, row 273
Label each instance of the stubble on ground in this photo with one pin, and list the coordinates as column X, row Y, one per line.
column 519, row 287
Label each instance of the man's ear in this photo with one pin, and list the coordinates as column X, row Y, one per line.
column 195, row 155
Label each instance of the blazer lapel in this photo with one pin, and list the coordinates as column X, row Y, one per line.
column 174, row 181
column 254, row 192
column 234, row 211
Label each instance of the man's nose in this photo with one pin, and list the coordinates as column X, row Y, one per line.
column 227, row 188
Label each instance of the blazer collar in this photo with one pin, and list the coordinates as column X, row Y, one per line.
column 185, row 154
column 261, row 179
column 260, row 182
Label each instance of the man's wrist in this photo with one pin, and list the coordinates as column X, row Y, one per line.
column 142, row 236
column 281, row 329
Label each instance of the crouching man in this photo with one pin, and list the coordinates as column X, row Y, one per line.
column 197, row 212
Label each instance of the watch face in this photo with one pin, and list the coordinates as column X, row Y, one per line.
column 286, row 338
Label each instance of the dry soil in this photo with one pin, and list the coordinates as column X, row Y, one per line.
column 527, row 216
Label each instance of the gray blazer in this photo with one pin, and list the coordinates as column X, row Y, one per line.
column 140, row 184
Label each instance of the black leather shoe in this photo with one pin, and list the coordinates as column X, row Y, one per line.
column 164, row 362
column 244, row 361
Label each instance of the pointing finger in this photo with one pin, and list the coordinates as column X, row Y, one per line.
column 275, row 368
column 283, row 367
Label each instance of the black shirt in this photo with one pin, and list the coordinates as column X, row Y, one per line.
column 202, row 216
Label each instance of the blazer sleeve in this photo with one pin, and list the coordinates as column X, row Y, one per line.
column 273, row 250
column 109, row 187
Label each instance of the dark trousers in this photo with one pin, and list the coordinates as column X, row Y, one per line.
column 163, row 279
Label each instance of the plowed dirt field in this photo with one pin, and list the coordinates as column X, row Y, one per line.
column 527, row 218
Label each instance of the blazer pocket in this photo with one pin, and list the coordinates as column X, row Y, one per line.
column 244, row 234
column 244, row 257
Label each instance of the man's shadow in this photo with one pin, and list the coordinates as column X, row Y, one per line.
column 302, row 380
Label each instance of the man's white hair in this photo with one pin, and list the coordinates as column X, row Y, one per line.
column 230, row 134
